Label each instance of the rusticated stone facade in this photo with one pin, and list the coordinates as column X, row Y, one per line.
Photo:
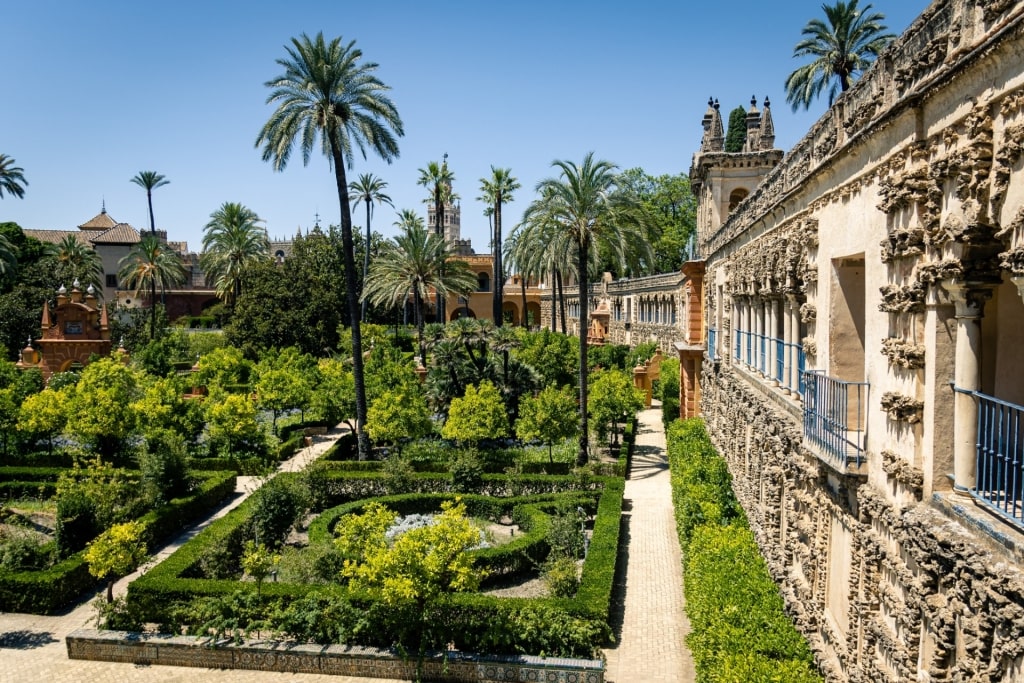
column 864, row 376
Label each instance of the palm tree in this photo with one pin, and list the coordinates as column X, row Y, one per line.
column 76, row 261
column 842, row 48
column 584, row 203
column 420, row 261
column 327, row 91
column 368, row 188
column 12, row 178
column 497, row 190
column 149, row 181
column 545, row 250
column 8, row 255
column 151, row 262
column 233, row 241
column 438, row 180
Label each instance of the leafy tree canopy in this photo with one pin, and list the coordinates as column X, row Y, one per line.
column 478, row 415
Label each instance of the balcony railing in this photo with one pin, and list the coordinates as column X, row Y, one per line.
column 835, row 417
column 1000, row 456
column 752, row 350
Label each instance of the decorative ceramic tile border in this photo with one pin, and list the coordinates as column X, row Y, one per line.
column 142, row 648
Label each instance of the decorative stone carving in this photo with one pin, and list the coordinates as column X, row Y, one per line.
column 808, row 313
column 903, row 472
column 902, row 408
column 902, row 298
column 901, row 243
column 810, row 346
column 1008, row 154
column 903, row 354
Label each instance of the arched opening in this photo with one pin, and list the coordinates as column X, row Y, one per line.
column 735, row 197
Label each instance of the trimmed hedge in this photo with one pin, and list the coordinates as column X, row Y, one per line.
column 50, row 590
column 740, row 631
column 566, row 627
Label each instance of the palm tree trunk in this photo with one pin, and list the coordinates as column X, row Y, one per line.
column 554, row 300
column 152, row 308
column 499, row 281
column 439, row 216
column 584, row 250
column 352, row 285
column 152, row 221
column 561, row 302
column 522, row 283
column 366, row 256
column 418, row 305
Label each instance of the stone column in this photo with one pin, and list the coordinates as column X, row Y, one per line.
column 759, row 338
column 969, row 301
column 748, row 315
column 773, row 347
column 794, row 350
column 787, row 338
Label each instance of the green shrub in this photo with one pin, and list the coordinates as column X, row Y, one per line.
column 467, row 474
column 669, row 391
column 740, row 630
column 277, row 506
column 561, row 576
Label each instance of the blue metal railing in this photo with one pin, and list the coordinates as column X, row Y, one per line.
column 712, row 343
column 780, row 360
column 835, row 416
column 999, row 466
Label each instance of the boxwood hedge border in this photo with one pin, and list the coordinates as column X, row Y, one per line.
column 51, row 590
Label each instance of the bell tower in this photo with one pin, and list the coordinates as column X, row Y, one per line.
column 722, row 180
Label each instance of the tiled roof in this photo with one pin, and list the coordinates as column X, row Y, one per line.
column 101, row 221
column 55, row 236
column 122, row 233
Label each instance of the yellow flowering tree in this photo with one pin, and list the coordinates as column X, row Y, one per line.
column 116, row 553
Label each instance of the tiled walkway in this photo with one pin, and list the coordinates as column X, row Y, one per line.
column 650, row 614
column 649, row 620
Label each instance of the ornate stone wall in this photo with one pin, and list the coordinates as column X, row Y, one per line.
column 882, row 243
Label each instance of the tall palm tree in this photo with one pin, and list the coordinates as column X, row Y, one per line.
column 496, row 190
column 12, row 178
column 151, row 263
column 149, row 181
column 8, row 255
column 420, row 261
column 584, row 203
column 513, row 258
column 233, row 241
column 438, row 179
column 76, row 261
column 326, row 91
column 842, row 48
column 368, row 188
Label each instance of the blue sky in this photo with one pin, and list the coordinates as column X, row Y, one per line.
column 95, row 92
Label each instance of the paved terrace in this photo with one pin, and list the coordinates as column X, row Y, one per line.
column 648, row 617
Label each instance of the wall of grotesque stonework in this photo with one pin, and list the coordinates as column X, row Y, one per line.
column 877, row 240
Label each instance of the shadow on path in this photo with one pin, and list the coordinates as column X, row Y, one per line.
column 25, row 640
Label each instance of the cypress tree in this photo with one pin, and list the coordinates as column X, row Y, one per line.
column 737, row 134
